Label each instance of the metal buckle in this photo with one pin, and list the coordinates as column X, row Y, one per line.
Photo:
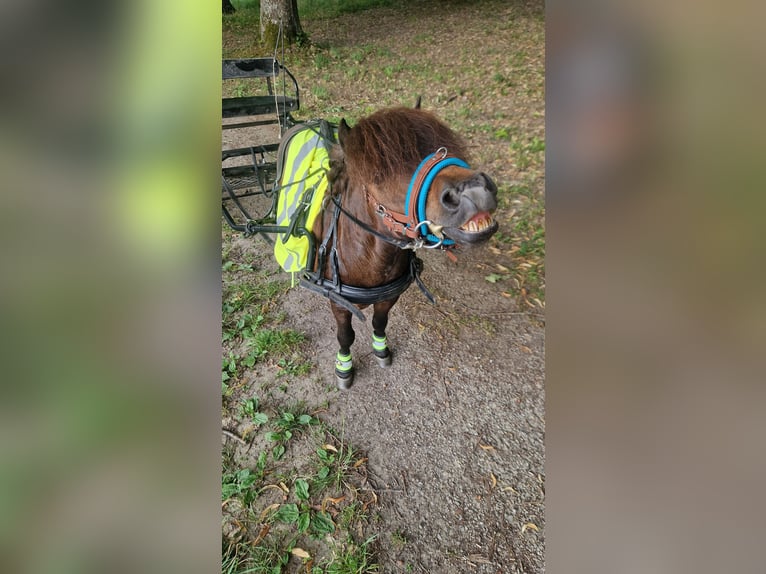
column 426, row 222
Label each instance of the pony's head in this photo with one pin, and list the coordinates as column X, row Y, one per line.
column 410, row 164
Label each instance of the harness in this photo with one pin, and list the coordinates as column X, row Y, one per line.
column 346, row 295
column 410, row 230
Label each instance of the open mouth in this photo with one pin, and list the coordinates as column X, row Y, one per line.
column 476, row 230
column 479, row 223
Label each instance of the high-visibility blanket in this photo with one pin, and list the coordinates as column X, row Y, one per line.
column 303, row 162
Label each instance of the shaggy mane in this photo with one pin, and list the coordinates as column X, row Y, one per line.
column 393, row 142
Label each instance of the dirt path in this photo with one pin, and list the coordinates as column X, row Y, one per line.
column 454, row 430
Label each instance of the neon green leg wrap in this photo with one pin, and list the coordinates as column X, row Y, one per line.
column 379, row 343
column 343, row 363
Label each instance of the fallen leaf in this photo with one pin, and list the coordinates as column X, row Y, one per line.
column 262, row 534
column 486, row 447
column 360, row 462
column 526, row 349
column 529, row 526
column 332, row 500
column 300, row 553
column 266, row 510
column 502, row 268
column 283, row 486
column 329, row 447
column 493, row 277
column 495, row 250
column 493, row 478
column 505, row 294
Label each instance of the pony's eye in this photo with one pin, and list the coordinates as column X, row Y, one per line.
column 450, row 197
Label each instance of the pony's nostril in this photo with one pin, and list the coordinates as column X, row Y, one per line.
column 490, row 185
column 450, row 198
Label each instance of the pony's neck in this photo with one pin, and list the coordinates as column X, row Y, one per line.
column 366, row 259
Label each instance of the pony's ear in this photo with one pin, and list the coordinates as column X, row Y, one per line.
column 417, row 103
column 343, row 130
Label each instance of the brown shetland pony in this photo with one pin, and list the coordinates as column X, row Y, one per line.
column 371, row 170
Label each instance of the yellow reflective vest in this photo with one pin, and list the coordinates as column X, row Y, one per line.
column 303, row 162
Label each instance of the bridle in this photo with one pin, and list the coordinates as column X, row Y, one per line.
column 407, row 228
column 412, row 222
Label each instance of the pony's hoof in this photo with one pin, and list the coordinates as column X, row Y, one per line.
column 344, row 380
column 383, row 360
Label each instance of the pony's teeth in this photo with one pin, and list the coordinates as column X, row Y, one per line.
column 476, row 226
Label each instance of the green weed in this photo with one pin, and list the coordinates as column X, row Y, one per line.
column 398, row 539
column 334, row 465
column 352, row 558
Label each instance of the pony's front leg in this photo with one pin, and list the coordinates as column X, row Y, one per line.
column 379, row 323
column 344, row 368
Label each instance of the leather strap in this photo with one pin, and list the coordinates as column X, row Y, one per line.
column 407, row 224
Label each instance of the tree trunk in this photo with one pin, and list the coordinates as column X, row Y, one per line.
column 275, row 11
column 227, row 7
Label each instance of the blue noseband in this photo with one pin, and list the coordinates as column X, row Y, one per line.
column 425, row 187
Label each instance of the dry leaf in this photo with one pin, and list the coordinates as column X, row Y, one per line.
column 262, row 534
column 360, row 462
column 502, row 267
column 266, row 510
column 505, row 294
column 525, row 349
column 529, row 526
column 332, row 500
column 486, row 447
column 300, row 553
column 493, row 478
column 283, row 486
column 329, row 447
column 495, row 250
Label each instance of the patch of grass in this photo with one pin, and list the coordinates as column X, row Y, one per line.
column 524, row 239
column 270, row 556
column 352, row 515
column 352, row 558
column 330, row 8
column 243, row 483
column 271, row 534
column 293, row 367
column 398, row 539
column 274, row 342
column 320, row 92
column 334, row 464
column 240, row 296
column 524, row 151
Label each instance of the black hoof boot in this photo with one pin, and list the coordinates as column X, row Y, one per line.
column 381, row 351
column 344, row 371
column 344, row 380
column 383, row 357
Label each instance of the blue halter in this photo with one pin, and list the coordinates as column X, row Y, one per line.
column 422, row 197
